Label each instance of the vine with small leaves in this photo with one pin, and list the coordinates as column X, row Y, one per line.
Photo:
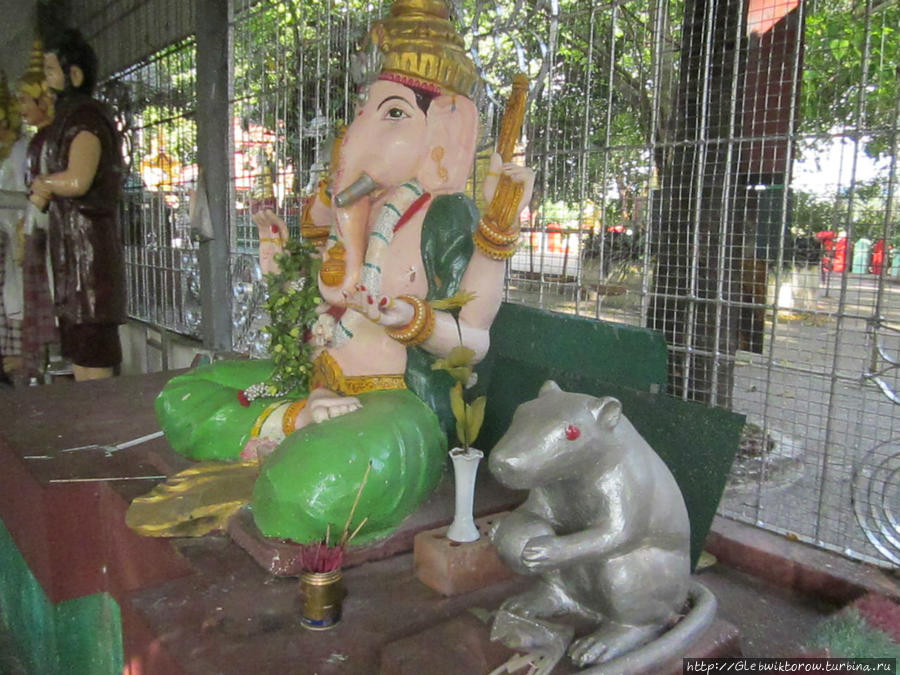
column 459, row 363
column 293, row 297
column 292, row 302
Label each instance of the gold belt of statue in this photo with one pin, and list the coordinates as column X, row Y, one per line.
column 327, row 373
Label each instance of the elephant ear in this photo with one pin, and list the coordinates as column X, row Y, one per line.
column 451, row 138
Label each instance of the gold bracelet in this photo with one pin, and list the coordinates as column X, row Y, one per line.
column 419, row 328
column 487, row 225
column 258, row 424
column 272, row 240
column 289, row 421
column 491, row 250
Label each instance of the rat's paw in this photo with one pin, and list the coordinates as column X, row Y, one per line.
column 543, row 552
column 587, row 650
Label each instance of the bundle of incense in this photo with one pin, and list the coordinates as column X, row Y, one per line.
column 322, row 556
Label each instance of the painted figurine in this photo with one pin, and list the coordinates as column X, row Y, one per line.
column 605, row 528
column 83, row 187
column 39, row 321
column 402, row 235
column 13, row 145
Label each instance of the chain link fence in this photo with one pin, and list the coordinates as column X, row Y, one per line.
column 725, row 172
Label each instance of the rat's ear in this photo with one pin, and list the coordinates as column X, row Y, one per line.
column 607, row 411
column 548, row 387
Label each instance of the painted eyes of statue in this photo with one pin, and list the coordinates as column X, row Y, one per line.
column 572, row 432
column 396, row 114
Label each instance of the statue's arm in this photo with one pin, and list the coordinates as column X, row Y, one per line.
column 484, row 275
column 81, row 167
column 273, row 233
column 602, row 538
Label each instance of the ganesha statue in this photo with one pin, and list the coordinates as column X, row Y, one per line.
column 398, row 235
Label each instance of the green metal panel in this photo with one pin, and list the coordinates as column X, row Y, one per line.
column 634, row 357
column 82, row 636
column 530, row 346
column 26, row 614
column 697, row 443
column 89, row 635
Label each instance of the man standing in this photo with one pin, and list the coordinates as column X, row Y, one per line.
column 83, row 188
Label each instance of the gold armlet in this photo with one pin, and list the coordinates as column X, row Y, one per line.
column 334, row 266
column 492, row 250
column 419, row 328
column 258, row 424
column 322, row 194
column 315, row 234
column 289, row 421
column 489, row 230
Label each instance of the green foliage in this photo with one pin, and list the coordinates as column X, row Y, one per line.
column 864, row 207
column 459, row 363
column 847, row 635
column 584, row 102
column 293, row 298
column 469, row 416
column 850, row 69
column 813, row 213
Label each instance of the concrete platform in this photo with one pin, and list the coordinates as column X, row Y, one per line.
column 207, row 606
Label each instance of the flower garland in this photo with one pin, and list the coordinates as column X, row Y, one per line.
column 293, row 297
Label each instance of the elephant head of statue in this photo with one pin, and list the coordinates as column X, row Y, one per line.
column 416, row 122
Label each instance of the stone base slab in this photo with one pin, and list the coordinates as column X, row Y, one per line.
column 281, row 558
column 462, row 646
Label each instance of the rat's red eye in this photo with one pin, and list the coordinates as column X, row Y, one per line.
column 572, row 432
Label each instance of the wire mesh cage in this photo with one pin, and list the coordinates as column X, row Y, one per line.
column 154, row 102
column 724, row 172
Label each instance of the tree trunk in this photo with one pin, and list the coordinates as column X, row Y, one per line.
column 697, row 215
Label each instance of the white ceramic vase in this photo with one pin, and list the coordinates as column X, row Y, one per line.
column 465, row 468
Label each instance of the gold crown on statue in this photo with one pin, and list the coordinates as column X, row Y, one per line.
column 417, row 44
column 32, row 82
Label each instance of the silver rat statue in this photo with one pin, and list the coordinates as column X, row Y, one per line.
column 604, row 525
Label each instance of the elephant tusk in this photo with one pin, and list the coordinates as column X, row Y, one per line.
column 358, row 189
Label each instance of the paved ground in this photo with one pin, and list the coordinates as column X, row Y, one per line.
column 772, row 620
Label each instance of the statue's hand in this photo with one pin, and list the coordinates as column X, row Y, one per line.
column 41, row 194
column 519, row 174
column 273, row 233
column 380, row 309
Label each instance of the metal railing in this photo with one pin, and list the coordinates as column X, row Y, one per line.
column 696, row 174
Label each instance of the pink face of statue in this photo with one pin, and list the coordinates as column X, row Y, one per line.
column 387, row 139
column 34, row 111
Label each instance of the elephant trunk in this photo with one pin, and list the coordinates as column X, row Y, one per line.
column 352, row 210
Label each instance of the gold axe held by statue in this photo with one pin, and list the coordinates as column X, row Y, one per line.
column 497, row 235
column 513, row 116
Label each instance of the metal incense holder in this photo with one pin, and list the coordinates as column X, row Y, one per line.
column 323, row 594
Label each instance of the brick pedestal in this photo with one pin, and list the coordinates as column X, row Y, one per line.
column 452, row 568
